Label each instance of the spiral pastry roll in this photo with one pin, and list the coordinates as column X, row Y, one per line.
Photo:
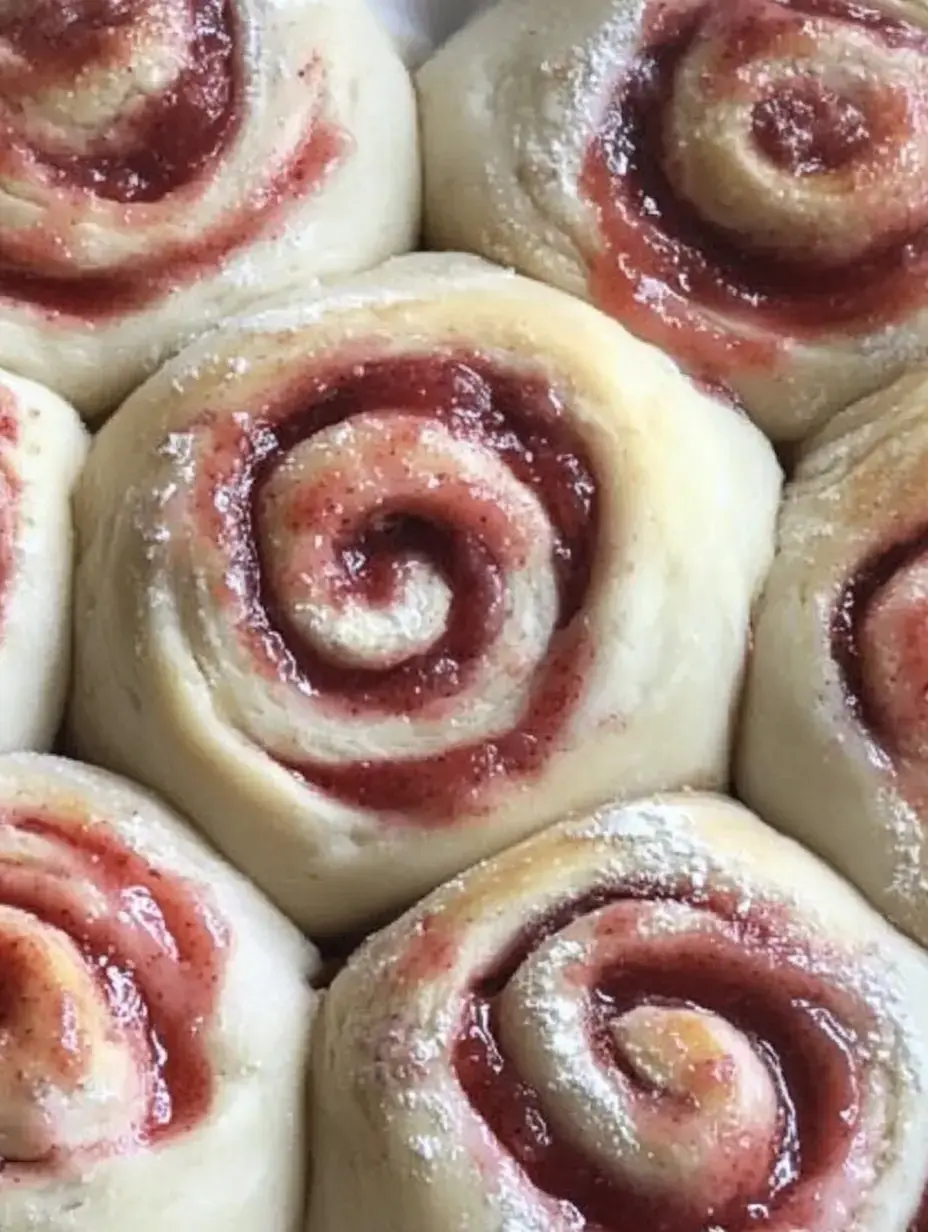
column 166, row 162
column 42, row 448
column 373, row 586
column 742, row 182
column 155, row 1020
column 664, row 1016
column 834, row 742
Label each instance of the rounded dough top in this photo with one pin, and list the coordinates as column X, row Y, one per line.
column 743, row 184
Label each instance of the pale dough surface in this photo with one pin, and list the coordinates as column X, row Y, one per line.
column 807, row 760
column 42, row 449
column 167, row 690
column 243, row 1167
column 396, row 1131
column 304, row 63
column 511, row 104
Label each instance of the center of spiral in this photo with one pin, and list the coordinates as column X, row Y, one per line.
column 129, row 100
column 64, row 1070
column 809, row 129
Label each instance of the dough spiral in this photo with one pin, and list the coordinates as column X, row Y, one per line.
column 155, row 1020
column 373, row 586
column 742, row 182
column 166, row 162
column 834, row 744
column 42, row 449
column 664, row 1016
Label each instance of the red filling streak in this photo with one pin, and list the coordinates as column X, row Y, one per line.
column 157, row 954
column 849, row 618
column 173, row 142
column 855, row 602
column 789, row 1015
column 921, row 1220
column 655, row 245
column 521, row 419
column 808, row 130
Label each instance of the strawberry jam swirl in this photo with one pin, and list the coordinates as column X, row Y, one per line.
column 879, row 640
column 119, row 116
column 760, row 175
column 400, row 551
column 111, row 971
column 674, row 1061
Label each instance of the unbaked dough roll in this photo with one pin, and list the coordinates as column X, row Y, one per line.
column 743, row 182
column 42, row 448
column 156, row 1013
column 375, row 585
column 662, row 1017
column 834, row 745
column 167, row 162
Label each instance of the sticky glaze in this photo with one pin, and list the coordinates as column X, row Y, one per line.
column 157, row 953
column 757, row 981
column 663, row 269
column 518, row 418
column 169, row 147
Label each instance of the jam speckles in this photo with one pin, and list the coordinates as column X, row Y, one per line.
column 390, row 528
column 736, row 179
column 111, row 970
column 151, row 144
column 730, row 1059
column 879, row 640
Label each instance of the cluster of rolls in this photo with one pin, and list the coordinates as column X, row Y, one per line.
column 334, row 575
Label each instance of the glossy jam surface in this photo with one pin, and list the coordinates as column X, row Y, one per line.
column 153, row 949
column 879, row 640
column 759, row 982
column 664, row 268
column 455, row 526
column 172, row 139
column 159, row 151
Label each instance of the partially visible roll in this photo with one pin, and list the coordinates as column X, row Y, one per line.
column 156, row 1015
column 834, row 742
column 42, row 449
column 742, row 182
column 374, row 585
column 661, row 1017
column 166, row 163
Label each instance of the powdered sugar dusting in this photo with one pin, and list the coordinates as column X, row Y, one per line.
column 703, row 848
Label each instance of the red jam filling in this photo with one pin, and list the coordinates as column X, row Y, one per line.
column 170, row 144
column 791, row 1017
column 808, row 130
column 660, row 258
column 174, row 137
column 521, row 420
column 854, row 609
column 156, row 951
